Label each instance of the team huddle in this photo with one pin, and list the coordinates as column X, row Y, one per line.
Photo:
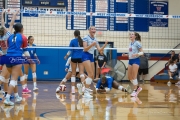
column 80, row 60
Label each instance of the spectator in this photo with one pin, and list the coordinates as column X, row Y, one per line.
column 100, row 63
column 143, row 68
column 173, row 57
column 172, row 70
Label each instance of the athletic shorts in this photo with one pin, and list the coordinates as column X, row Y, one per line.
column 143, row 71
column 76, row 60
column 2, row 59
column 87, row 56
column 11, row 65
column 134, row 61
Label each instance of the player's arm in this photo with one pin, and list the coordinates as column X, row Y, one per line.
column 2, row 19
column 70, row 51
column 101, row 48
column 67, row 64
column 12, row 20
column 85, row 45
column 35, row 55
column 105, row 60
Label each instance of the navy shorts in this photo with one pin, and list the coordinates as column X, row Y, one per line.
column 2, row 60
column 11, row 65
column 134, row 61
column 87, row 56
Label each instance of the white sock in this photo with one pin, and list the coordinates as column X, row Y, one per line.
column 34, row 96
column 35, row 84
column 24, row 86
column 8, row 96
column 16, row 95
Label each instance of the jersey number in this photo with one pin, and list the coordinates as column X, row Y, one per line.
column 14, row 39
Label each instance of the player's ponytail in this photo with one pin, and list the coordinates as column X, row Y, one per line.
column 77, row 34
column 138, row 37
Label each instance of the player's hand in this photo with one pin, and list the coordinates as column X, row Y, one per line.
column 98, row 66
column 102, row 67
column 17, row 11
column 135, row 55
column 123, row 54
column 106, row 42
column 3, row 11
column 94, row 43
column 38, row 61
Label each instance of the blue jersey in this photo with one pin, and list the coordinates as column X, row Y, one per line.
column 89, row 41
column 108, row 84
column 32, row 51
column 16, row 45
column 75, row 53
column 134, row 48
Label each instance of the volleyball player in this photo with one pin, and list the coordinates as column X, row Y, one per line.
column 89, row 44
column 76, row 55
column 4, row 35
column 17, row 45
column 68, row 69
column 34, row 57
column 135, row 50
column 106, row 83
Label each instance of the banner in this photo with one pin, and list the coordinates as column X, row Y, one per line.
column 160, row 8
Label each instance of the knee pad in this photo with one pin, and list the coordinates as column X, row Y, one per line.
column 82, row 76
column 6, row 80
column 73, row 79
column 88, row 81
column 25, row 76
column 2, row 78
column 22, row 78
column 135, row 82
column 34, row 75
column 12, row 83
column 64, row 80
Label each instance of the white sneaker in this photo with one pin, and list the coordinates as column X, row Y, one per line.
column 79, row 86
column 178, row 83
column 169, row 82
column 8, row 102
column 58, row 89
column 87, row 95
column 35, row 88
column 89, row 90
column 170, row 78
column 18, row 99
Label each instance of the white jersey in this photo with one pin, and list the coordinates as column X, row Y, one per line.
column 89, row 41
column 134, row 48
column 68, row 63
column 3, row 42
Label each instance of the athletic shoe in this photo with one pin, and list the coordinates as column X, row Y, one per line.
column 178, row 83
column 58, row 89
column 79, row 86
column 35, row 88
column 18, row 99
column 139, row 90
column 128, row 88
column 25, row 91
column 89, row 90
column 170, row 78
column 87, row 94
column 169, row 83
column 8, row 102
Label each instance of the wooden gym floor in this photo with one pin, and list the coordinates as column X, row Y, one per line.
column 155, row 102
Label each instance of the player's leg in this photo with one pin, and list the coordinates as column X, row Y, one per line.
column 33, row 68
column 26, row 70
column 117, row 86
column 97, row 72
column 67, row 77
column 15, row 71
column 80, row 86
column 25, row 89
column 137, row 89
column 73, row 76
column 90, row 71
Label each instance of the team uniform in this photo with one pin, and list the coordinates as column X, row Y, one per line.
column 108, row 84
column 32, row 52
column 101, row 59
column 89, row 55
column 76, row 54
column 134, row 49
column 16, row 47
column 68, row 66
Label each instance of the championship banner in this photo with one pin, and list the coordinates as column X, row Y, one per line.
column 160, row 8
